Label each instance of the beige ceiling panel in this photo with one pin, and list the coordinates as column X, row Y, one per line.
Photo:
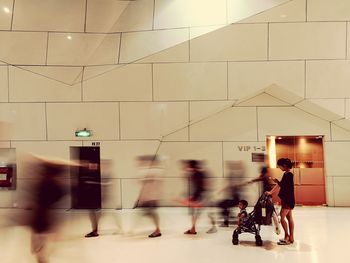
column 3, row 84
column 190, row 81
column 327, row 79
column 288, row 11
column 138, row 45
column 26, row 86
column 178, row 53
column 127, row 83
column 49, row 15
column 288, row 74
column 325, row 10
column 231, row 43
column 25, row 48
column 188, row 13
column 27, row 121
column 240, row 125
column 152, row 120
column 317, row 40
column 290, row 121
column 63, row 119
column 5, row 14
column 83, row 49
column 67, row 75
column 317, row 110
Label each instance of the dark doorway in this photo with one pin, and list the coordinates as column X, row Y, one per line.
column 86, row 178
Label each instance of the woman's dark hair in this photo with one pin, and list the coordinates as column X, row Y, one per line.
column 285, row 162
column 194, row 164
column 264, row 170
column 244, row 203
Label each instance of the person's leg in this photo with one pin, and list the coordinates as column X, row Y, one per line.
column 194, row 216
column 291, row 226
column 276, row 223
column 283, row 214
column 94, row 218
column 155, row 218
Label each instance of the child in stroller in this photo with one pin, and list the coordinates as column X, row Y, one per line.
column 261, row 215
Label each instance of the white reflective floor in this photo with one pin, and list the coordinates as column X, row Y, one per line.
column 321, row 236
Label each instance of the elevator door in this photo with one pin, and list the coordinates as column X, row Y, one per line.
column 86, row 178
column 306, row 153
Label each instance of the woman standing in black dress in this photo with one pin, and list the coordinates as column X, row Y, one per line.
column 286, row 194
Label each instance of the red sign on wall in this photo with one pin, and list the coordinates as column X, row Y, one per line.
column 6, row 176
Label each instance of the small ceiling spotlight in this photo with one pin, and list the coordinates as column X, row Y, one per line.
column 69, row 37
column 6, row 10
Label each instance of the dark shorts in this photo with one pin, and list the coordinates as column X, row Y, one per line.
column 285, row 205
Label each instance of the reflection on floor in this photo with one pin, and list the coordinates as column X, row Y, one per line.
column 321, row 236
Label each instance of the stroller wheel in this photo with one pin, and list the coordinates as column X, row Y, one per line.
column 258, row 241
column 235, row 238
column 235, row 241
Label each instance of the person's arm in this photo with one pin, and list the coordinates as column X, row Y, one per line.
column 275, row 188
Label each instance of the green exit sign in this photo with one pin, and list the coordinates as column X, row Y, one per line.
column 83, row 133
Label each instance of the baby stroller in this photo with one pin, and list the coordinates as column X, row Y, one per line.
column 261, row 215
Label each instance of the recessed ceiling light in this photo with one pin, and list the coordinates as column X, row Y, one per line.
column 6, row 10
column 69, row 37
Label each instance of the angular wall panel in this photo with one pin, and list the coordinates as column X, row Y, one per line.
column 289, row 121
column 3, row 84
column 49, row 15
column 307, row 40
column 233, row 124
column 151, row 120
column 194, row 81
column 246, row 78
column 325, row 10
column 63, row 119
column 26, row 48
column 26, row 86
column 327, row 79
column 139, row 45
column 126, row 83
column 189, row 13
column 231, row 43
column 82, row 49
column 289, row 11
column 5, row 16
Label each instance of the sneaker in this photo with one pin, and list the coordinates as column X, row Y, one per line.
column 92, row 234
column 224, row 225
column 212, row 230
